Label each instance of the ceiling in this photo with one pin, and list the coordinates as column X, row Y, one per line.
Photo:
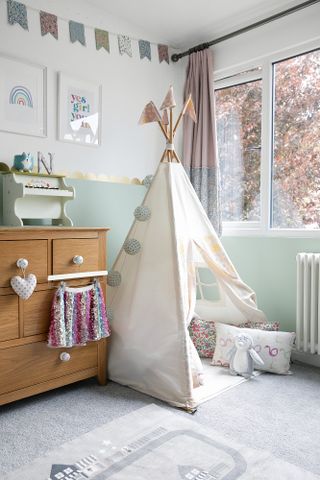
column 184, row 23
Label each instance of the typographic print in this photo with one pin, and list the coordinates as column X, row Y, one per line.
column 80, row 109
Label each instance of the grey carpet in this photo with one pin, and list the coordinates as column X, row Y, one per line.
column 276, row 413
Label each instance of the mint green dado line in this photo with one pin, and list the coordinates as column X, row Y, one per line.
column 268, row 265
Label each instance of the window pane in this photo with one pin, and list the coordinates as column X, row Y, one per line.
column 238, row 111
column 296, row 152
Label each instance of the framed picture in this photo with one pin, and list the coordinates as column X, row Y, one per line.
column 23, row 97
column 79, row 118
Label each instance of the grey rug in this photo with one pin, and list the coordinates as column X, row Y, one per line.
column 153, row 443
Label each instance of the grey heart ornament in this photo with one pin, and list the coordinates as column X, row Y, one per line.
column 24, row 287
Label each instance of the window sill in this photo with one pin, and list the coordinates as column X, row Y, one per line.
column 270, row 233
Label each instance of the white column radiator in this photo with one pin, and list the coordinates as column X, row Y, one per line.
column 308, row 303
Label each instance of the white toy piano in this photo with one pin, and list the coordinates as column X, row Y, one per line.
column 35, row 199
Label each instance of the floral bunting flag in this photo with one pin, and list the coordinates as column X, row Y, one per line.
column 102, row 39
column 124, row 45
column 49, row 24
column 17, row 13
column 144, row 49
column 77, row 32
column 163, row 53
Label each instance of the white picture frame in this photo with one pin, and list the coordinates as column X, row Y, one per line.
column 79, row 111
column 23, row 97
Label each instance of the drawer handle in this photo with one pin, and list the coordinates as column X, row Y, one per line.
column 65, row 357
column 22, row 263
column 78, row 260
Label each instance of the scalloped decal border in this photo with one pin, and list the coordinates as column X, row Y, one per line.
column 100, row 177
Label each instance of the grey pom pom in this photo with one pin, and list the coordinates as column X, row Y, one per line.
column 132, row 246
column 147, row 181
column 114, row 278
column 142, row 213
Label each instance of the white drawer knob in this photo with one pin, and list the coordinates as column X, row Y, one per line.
column 65, row 357
column 22, row 263
column 77, row 260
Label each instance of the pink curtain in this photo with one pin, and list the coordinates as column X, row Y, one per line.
column 200, row 157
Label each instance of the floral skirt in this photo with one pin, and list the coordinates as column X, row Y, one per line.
column 78, row 315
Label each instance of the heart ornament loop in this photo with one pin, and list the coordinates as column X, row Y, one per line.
column 24, row 287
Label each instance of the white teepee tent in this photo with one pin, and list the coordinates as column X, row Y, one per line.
column 152, row 290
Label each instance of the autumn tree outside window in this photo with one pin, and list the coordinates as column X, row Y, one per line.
column 288, row 163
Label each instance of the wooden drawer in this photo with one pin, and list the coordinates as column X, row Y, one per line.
column 9, row 319
column 35, row 363
column 65, row 249
column 35, row 251
column 36, row 313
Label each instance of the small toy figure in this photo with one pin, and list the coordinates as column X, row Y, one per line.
column 243, row 355
column 23, row 162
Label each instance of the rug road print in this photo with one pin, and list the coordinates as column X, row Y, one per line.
column 154, row 444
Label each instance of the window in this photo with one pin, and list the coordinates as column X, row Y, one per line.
column 268, row 131
column 239, row 141
column 296, row 142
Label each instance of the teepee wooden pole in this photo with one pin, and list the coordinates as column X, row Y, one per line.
column 163, row 155
column 163, row 130
column 176, row 156
column 171, row 133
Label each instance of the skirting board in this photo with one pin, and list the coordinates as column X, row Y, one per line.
column 307, row 358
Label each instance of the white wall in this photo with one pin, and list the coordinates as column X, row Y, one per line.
column 295, row 29
column 128, row 84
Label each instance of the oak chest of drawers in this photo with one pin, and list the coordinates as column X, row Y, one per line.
column 27, row 365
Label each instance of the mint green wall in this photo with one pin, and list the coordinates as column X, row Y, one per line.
column 101, row 204
column 268, row 265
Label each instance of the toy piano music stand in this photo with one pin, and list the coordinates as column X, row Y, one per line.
column 33, row 199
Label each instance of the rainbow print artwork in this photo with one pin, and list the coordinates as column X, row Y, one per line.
column 20, row 95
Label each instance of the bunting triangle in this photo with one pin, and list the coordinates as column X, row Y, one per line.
column 150, row 114
column 169, row 101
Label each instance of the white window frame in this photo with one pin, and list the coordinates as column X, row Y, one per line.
column 235, row 76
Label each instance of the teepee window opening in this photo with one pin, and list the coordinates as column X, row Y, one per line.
column 239, row 112
column 207, row 285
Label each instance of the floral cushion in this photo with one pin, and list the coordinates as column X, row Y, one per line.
column 274, row 347
column 203, row 334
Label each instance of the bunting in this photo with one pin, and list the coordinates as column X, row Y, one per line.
column 144, row 49
column 49, row 24
column 124, row 45
column 102, row 39
column 17, row 13
column 163, row 52
column 77, row 32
